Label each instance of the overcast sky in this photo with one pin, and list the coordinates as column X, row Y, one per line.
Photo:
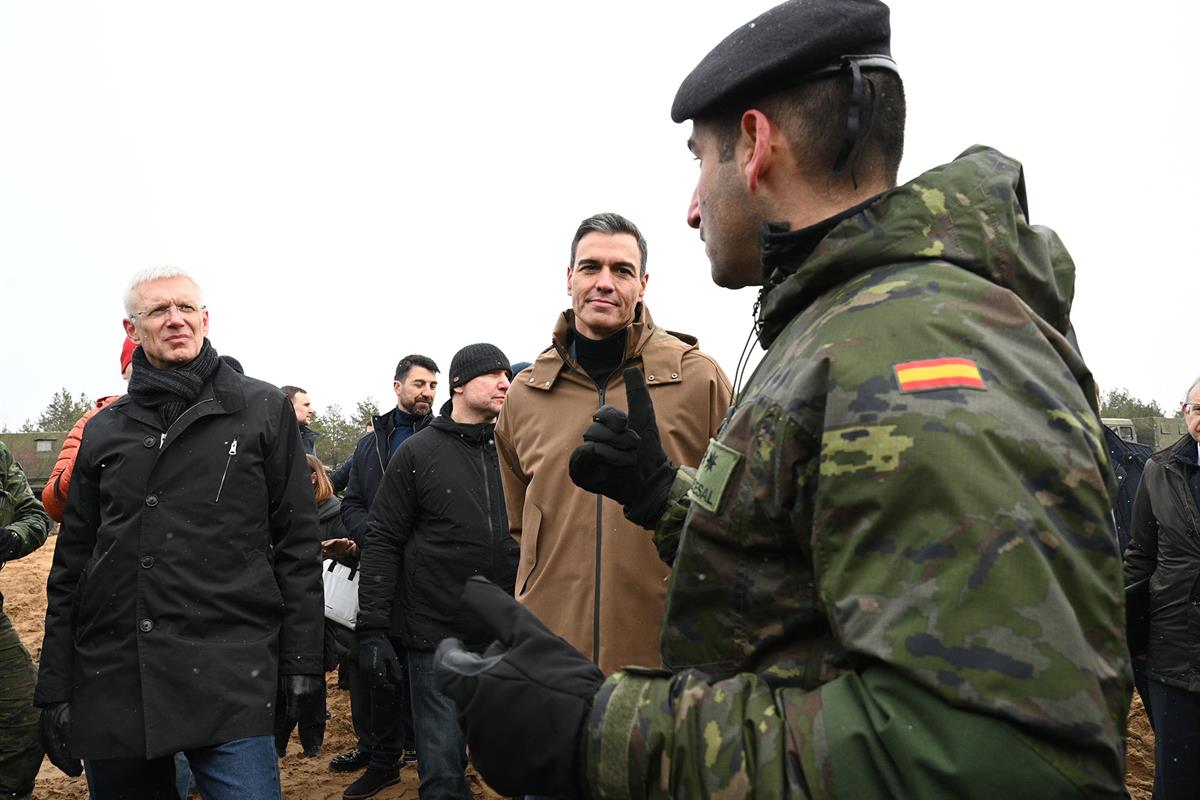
column 352, row 182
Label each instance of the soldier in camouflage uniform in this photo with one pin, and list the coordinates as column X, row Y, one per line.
column 894, row 569
column 24, row 525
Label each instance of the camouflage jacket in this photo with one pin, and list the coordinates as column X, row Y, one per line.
column 896, row 575
column 20, row 511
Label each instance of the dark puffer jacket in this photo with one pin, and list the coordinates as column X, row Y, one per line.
column 1165, row 547
column 438, row 519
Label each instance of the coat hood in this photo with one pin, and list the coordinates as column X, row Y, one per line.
column 971, row 213
column 664, row 363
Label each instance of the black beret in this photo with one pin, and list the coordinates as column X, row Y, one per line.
column 792, row 42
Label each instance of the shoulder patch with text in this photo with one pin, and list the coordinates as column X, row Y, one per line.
column 939, row 373
column 712, row 475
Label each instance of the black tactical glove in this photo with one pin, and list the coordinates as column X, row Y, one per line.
column 54, row 729
column 524, row 702
column 377, row 658
column 304, row 706
column 622, row 456
column 11, row 545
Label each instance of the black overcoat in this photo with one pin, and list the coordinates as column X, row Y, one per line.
column 1165, row 547
column 187, row 574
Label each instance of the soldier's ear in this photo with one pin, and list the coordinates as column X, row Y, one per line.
column 757, row 142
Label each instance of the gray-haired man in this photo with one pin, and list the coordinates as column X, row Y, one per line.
column 187, row 577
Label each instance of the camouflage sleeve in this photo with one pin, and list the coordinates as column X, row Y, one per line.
column 20, row 511
column 874, row 734
column 670, row 525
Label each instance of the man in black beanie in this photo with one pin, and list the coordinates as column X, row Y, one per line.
column 438, row 519
column 186, row 586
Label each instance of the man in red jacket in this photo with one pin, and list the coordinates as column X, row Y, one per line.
column 54, row 493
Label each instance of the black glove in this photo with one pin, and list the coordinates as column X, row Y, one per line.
column 54, row 729
column 622, row 456
column 377, row 658
column 304, row 706
column 523, row 702
column 11, row 545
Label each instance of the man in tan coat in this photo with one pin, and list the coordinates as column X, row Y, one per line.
column 590, row 574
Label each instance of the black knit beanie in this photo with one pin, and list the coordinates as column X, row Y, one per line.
column 475, row 360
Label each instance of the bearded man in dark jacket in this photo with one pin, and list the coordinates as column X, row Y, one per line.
column 438, row 519
column 187, row 577
column 381, row 716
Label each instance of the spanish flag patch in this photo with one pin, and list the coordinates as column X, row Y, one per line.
column 939, row 373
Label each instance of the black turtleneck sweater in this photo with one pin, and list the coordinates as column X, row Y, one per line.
column 600, row 358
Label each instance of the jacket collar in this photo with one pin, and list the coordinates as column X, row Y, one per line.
column 223, row 394
column 1182, row 452
column 663, row 363
column 474, row 434
column 383, row 425
column 970, row 213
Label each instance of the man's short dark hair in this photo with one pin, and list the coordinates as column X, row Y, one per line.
column 292, row 391
column 408, row 362
column 610, row 223
column 813, row 115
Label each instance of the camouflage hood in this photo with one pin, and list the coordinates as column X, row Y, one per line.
column 971, row 213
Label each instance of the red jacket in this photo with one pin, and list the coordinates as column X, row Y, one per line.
column 54, row 495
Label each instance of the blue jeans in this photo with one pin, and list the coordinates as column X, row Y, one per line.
column 1176, row 741
column 244, row 769
column 441, row 752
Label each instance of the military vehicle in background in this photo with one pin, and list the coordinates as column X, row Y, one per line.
column 1121, row 426
column 1157, row 432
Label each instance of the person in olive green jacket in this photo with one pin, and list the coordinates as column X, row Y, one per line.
column 896, row 572
column 24, row 526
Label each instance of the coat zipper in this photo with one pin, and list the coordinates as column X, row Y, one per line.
column 232, row 453
column 599, row 549
column 163, row 439
column 487, row 489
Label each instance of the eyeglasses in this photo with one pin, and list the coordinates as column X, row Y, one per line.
column 1191, row 408
column 160, row 312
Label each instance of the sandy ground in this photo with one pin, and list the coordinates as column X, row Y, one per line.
column 23, row 584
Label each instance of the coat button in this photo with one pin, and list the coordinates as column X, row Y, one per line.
column 147, row 562
column 149, row 441
column 146, row 625
column 152, row 500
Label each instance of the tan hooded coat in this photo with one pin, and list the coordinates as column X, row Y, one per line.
column 591, row 575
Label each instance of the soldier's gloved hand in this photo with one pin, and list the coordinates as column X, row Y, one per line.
column 10, row 544
column 377, row 658
column 523, row 702
column 54, row 729
column 304, row 706
column 622, row 456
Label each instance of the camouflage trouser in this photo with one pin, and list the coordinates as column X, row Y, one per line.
column 20, row 750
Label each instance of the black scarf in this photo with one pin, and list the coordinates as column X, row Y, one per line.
column 170, row 391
